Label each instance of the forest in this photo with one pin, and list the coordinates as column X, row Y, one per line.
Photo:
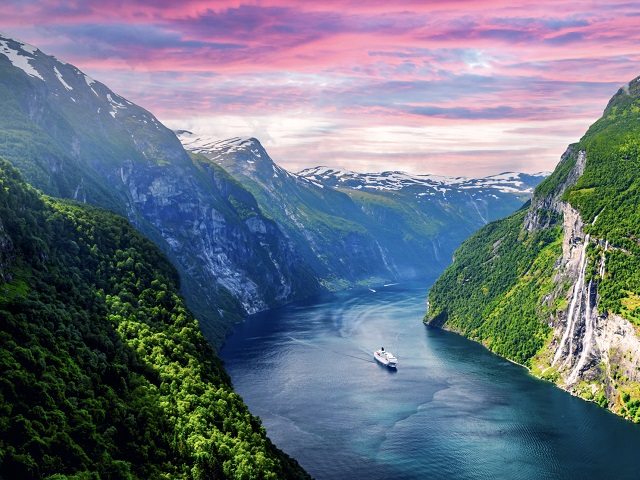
column 104, row 372
column 500, row 289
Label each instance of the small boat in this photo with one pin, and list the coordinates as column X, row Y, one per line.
column 385, row 358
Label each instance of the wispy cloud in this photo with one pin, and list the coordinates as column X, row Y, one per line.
column 377, row 85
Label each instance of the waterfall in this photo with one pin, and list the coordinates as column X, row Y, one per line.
column 606, row 246
column 576, row 296
column 587, row 340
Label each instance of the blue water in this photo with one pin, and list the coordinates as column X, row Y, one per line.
column 452, row 410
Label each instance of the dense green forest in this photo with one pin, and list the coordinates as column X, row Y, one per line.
column 503, row 290
column 492, row 291
column 103, row 371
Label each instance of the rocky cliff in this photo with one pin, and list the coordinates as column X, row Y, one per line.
column 558, row 282
column 73, row 137
column 356, row 228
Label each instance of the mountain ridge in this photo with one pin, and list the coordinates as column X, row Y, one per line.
column 395, row 179
column 555, row 286
column 323, row 175
column 361, row 236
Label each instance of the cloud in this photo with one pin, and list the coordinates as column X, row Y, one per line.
column 352, row 81
column 566, row 38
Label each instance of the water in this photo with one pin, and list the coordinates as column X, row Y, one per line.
column 452, row 410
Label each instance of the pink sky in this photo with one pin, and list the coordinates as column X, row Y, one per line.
column 451, row 88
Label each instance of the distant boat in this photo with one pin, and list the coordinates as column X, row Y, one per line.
column 385, row 358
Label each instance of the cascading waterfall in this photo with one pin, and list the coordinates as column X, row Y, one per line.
column 603, row 257
column 577, row 295
column 589, row 314
column 587, row 340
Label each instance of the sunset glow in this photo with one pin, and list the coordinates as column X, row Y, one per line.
column 454, row 88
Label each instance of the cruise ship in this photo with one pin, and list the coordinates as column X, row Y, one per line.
column 385, row 358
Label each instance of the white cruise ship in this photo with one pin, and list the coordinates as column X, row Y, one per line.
column 385, row 358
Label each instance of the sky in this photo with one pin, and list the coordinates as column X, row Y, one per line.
column 458, row 87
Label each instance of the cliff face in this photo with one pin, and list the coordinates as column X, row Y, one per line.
column 591, row 352
column 366, row 228
column 559, row 283
column 217, row 232
column 73, row 137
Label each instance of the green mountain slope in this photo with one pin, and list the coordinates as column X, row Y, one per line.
column 557, row 286
column 103, row 370
column 73, row 137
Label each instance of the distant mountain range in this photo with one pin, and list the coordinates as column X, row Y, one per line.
column 520, row 184
column 365, row 229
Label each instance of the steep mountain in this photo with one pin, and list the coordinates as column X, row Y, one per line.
column 104, row 372
column 556, row 286
column 73, row 137
column 366, row 228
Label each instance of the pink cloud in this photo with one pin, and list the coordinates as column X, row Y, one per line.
column 368, row 64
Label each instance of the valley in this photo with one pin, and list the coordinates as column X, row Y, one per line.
column 129, row 252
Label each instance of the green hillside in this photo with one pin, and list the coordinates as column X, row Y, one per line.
column 609, row 189
column 510, row 286
column 492, row 291
column 103, row 371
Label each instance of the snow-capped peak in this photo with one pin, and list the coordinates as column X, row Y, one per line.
column 236, row 153
column 19, row 54
column 507, row 182
column 204, row 144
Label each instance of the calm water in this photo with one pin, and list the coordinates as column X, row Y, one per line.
column 451, row 411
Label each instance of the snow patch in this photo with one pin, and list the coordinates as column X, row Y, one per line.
column 59, row 75
column 115, row 106
column 208, row 146
column 19, row 59
column 90, row 81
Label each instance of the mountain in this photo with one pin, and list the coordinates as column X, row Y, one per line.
column 72, row 137
column 366, row 228
column 244, row 234
column 519, row 185
column 104, row 372
column 556, row 285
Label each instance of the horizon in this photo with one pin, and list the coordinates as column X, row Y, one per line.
column 237, row 139
column 459, row 88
